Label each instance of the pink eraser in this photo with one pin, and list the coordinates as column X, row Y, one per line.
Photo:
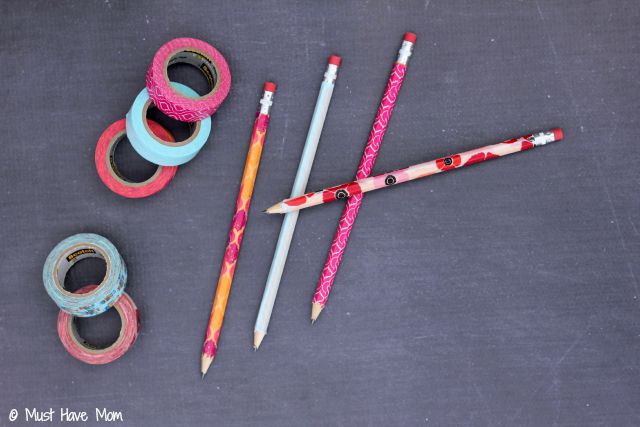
column 270, row 87
column 558, row 134
column 335, row 60
column 410, row 37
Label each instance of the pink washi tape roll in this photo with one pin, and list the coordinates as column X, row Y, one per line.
column 87, row 353
column 108, row 170
column 201, row 55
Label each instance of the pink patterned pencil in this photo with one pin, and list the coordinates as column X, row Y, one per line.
column 364, row 170
column 399, row 176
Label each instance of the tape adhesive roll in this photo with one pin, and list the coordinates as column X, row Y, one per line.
column 87, row 353
column 156, row 149
column 108, row 170
column 71, row 250
column 205, row 57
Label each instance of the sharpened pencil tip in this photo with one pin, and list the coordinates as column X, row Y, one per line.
column 315, row 311
column 257, row 339
column 273, row 209
column 313, row 321
column 205, row 363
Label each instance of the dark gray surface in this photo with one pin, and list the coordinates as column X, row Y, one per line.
column 502, row 294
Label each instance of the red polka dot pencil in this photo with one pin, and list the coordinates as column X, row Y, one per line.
column 210, row 346
column 350, row 211
column 418, row 171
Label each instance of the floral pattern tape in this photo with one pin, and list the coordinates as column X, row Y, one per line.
column 68, row 252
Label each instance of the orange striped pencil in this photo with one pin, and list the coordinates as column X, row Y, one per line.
column 210, row 346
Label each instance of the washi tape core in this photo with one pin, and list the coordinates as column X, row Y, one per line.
column 69, row 258
column 110, row 340
column 89, row 347
column 194, row 128
column 113, row 169
column 199, row 60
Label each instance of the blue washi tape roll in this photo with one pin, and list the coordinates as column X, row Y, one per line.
column 66, row 254
column 156, row 150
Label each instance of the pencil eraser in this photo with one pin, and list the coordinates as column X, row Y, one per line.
column 335, row 60
column 558, row 134
column 410, row 37
column 270, row 87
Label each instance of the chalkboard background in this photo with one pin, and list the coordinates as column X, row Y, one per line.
column 499, row 295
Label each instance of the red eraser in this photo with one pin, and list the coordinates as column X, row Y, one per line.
column 558, row 134
column 410, row 37
column 270, row 87
column 335, row 60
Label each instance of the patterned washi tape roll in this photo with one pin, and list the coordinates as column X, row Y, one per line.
column 66, row 254
column 205, row 57
column 151, row 146
column 87, row 353
column 108, row 170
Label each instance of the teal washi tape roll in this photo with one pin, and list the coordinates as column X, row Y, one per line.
column 155, row 149
column 65, row 255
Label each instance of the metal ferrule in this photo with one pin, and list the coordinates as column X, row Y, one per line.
column 405, row 52
column 331, row 74
column 266, row 102
column 542, row 138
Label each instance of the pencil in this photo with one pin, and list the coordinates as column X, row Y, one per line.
column 299, row 186
column 364, row 170
column 210, row 346
column 418, row 171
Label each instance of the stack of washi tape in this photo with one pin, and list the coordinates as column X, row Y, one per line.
column 90, row 300
column 157, row 145
column 152, row 141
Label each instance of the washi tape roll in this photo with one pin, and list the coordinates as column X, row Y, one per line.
column 200, row 54
column 79, row 348
column 154, row 148
column 108, row 170
column 71, row 250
